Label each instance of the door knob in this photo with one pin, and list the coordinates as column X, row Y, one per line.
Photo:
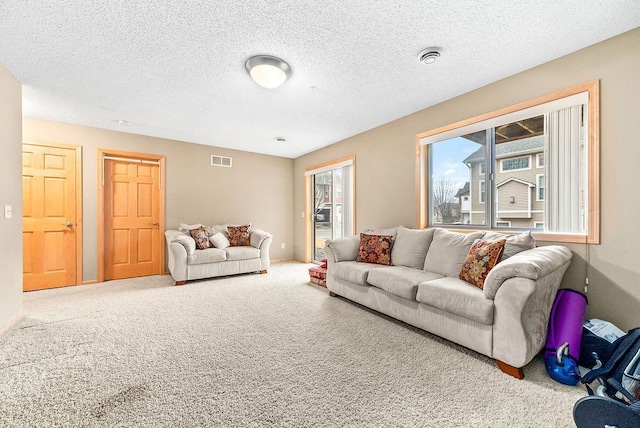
column 154, row 223
column 67, row 224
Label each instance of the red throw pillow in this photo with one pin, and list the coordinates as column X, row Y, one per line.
column 482, row 257
column 239, row 235
column 375, row 249
column 200, row 236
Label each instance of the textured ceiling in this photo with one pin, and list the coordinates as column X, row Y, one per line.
column 175, row 69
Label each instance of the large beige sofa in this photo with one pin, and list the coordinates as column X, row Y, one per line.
column 506, row 320
column 186, row 262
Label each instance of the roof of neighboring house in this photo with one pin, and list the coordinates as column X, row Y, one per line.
column 464, row 190
column 528, row 183
column 503, row 150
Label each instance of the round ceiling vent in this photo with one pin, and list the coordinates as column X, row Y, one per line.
column 429, row 55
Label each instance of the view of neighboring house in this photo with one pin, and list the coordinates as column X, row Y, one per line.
column 464, row 202
column 520, row 185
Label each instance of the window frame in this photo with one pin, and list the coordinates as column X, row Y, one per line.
column 592, row 88
column 482, row 183
column 538, row 156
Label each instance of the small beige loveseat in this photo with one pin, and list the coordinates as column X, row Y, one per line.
column 187, row 262
column 505, row 320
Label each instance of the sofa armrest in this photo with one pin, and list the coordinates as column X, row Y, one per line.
column 265, row 260
column 523, row 303
column 174, row 236
column 532, row 264
column 343, row 249
column 257, row 236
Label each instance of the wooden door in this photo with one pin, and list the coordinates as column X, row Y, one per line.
column 49, row 217
column 132, row 236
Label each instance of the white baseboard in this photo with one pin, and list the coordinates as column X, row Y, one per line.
column 11, row 323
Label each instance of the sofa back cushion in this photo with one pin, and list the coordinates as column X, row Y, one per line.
column 393, row 231
column 515, row 243
column 448, row 251
column 411, row 246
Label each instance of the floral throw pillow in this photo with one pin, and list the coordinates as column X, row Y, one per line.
column 482, row 257
column 200, row 236
column 239, row 235
column 375, row 249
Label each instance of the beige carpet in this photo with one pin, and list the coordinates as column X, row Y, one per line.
column 249, row 351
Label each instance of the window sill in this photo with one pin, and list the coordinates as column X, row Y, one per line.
column 539, row 236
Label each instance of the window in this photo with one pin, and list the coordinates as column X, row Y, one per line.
column 540, row 187
column 493, row 155
column 514, row 164
column 482, row 189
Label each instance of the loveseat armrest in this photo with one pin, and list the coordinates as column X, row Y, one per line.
column 174, row 236
column 257, row 237
column 265, row 259
column 343, row 249
column 533, row 264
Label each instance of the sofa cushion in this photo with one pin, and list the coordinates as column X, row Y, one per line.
column 515, row 243
column 218, row 228
column 219, row 241
column 242, row 253
column 411, row 246
column 354, row 272
column 209, row 255
column 401, row 281
column 393, row 231
column 448, row 251
column 239, row 235
column 482, row 257
column 457, row 297
column 375, row 249
column 200, row 236
column 185, row 228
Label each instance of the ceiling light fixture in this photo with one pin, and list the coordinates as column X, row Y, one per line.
column 430, row 55
column 268, row 71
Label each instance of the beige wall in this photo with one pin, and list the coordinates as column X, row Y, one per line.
column 257, row 189
column 10, row 172
column 385, row 166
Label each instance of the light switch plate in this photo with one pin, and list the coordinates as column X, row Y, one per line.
column 7, row 211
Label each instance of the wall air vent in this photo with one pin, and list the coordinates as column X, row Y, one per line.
column 217, row 160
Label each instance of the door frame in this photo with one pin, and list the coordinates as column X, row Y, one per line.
column 78, row 192
column 309, row 244
column 133, row 156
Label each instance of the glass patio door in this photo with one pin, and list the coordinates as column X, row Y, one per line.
column 332, row 206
